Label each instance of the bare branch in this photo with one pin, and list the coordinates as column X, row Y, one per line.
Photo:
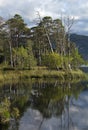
column 47, row 35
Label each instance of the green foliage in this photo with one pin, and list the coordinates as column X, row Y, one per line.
column 20, row 56
column 17, row 30
column 31, row 59
column 6, row 111
column 15, row 112
column 52, row 60
column 48, row 38
column 23, row 57
column 66, row 62
column 55, row 61
column 81, row 41
column 77, row 59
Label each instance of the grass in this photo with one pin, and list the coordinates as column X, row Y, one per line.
column 39, row 73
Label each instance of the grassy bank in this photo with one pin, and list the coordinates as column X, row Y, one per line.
column 6, row 75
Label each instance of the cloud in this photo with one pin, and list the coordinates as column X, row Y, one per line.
column 54, row 8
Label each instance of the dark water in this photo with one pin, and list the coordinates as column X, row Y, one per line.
column 47, row 105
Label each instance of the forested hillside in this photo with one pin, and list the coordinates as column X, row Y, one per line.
column 82, row 44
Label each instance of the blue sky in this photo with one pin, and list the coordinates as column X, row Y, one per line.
column 54, row 8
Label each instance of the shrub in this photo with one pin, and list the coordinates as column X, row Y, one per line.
column 52, row 60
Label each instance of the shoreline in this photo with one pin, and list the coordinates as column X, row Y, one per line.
column 40, row 73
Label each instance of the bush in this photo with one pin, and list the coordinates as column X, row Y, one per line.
column 52, row 60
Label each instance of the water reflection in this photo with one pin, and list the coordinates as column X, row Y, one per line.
column 47, row 105
column 53, row 100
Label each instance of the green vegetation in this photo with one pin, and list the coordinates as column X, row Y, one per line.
column 44, row 51
column 17, row 96
column 51, row 99
column 40, row 52
column 16, row 75
column 81, row 42
column 6, row 112
column 47, row 44
column 52, row 61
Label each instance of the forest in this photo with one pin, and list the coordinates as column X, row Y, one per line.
column 47, row 44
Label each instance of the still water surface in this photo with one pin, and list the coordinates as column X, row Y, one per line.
column 48, row 105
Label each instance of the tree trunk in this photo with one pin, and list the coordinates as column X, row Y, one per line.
column 11, row 59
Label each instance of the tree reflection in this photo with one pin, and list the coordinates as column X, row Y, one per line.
column 13, row 102
column 51, row 98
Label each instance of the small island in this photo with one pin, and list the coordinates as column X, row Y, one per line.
column 44, row 50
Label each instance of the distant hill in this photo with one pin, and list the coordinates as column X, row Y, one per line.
column 82, row 44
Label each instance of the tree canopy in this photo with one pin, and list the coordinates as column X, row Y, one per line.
column 45, row 44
